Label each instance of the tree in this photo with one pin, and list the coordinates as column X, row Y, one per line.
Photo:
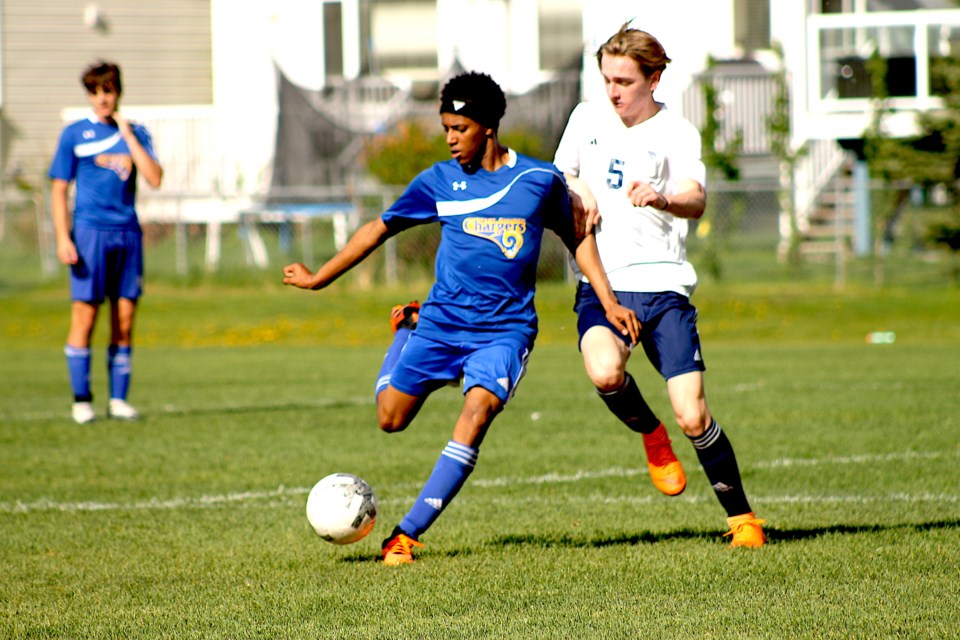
column 930, row 159
column 721, row 160
column 779, row 127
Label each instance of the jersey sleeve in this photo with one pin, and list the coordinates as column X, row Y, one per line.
column 559, row 215
column 567, row 156
column 145, row 139
column 417, row 205
column 64, row 164
column 685, row 158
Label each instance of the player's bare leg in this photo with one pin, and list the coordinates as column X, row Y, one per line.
column 83, row 317
column 396, row 409
column 451, row 471
column 605, row 358
column 716, row 457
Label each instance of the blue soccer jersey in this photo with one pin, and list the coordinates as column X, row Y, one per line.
column 491, row 230
column 97, row 157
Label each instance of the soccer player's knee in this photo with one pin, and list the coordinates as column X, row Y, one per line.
column 391, row 422
column 607, row 384
column 606, row 377
column 692, row 421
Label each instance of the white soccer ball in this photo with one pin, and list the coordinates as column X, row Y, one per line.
column 342, row 508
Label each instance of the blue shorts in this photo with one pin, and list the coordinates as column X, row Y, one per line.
column 110, row 265
column 668, row 327
column 426, row 364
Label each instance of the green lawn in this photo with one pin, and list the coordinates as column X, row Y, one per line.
column 190, row 523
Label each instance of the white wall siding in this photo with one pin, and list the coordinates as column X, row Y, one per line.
column 163, row 48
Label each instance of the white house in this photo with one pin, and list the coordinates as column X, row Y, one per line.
column 203, row 74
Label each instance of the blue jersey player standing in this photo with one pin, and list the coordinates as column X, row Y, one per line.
column 478, row 322
column 102, row 155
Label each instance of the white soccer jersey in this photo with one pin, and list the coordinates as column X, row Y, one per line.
column 643, row 249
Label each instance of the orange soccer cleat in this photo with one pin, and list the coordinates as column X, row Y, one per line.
column 398, row 549
column 746, row 531
column 666, row 472
column 405, row 316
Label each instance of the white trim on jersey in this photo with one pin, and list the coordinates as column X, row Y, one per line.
column 464, row 207
column 87, row 149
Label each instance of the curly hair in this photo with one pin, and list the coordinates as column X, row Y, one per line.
column 476, row 96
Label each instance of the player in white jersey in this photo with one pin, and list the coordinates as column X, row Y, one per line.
column 102, row 155
column 478, row 323
column 635, row 168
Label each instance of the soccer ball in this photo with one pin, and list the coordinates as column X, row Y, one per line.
column 342, row 508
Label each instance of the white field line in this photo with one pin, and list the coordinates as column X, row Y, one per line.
column 167, row 409
column 284, row 496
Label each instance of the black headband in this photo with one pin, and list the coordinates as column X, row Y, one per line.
column 479, row 113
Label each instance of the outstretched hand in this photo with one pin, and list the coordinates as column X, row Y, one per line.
column 298, row 275
column 625, row 320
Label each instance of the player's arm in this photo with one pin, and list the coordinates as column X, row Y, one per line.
column 146, row 165
column 586, row 213
column 361, row 244
column 66, row 250
column 588, row 259
column 690, row 201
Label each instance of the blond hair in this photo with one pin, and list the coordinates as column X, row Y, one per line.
column 639, row 45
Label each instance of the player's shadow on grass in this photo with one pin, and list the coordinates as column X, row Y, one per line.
column 774, row 535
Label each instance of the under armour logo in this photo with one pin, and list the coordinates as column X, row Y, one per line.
column 460, row 186
column 88, row 133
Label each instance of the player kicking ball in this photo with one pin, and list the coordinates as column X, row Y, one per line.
column 478, row 323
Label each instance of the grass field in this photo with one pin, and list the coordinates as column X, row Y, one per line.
column 190, row 523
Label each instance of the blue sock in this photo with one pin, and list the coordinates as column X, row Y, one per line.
column 390, row 359
column 78, row 365
column 451, row 471
column 118, row 367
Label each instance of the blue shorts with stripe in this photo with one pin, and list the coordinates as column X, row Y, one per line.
column 426, row 364
column 668, row 327
column 110, row 264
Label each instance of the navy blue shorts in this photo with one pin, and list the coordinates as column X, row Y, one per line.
column 496, row 366
column 668, row 327
column 110, row 265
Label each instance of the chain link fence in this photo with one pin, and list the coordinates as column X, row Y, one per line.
column 250, row 240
